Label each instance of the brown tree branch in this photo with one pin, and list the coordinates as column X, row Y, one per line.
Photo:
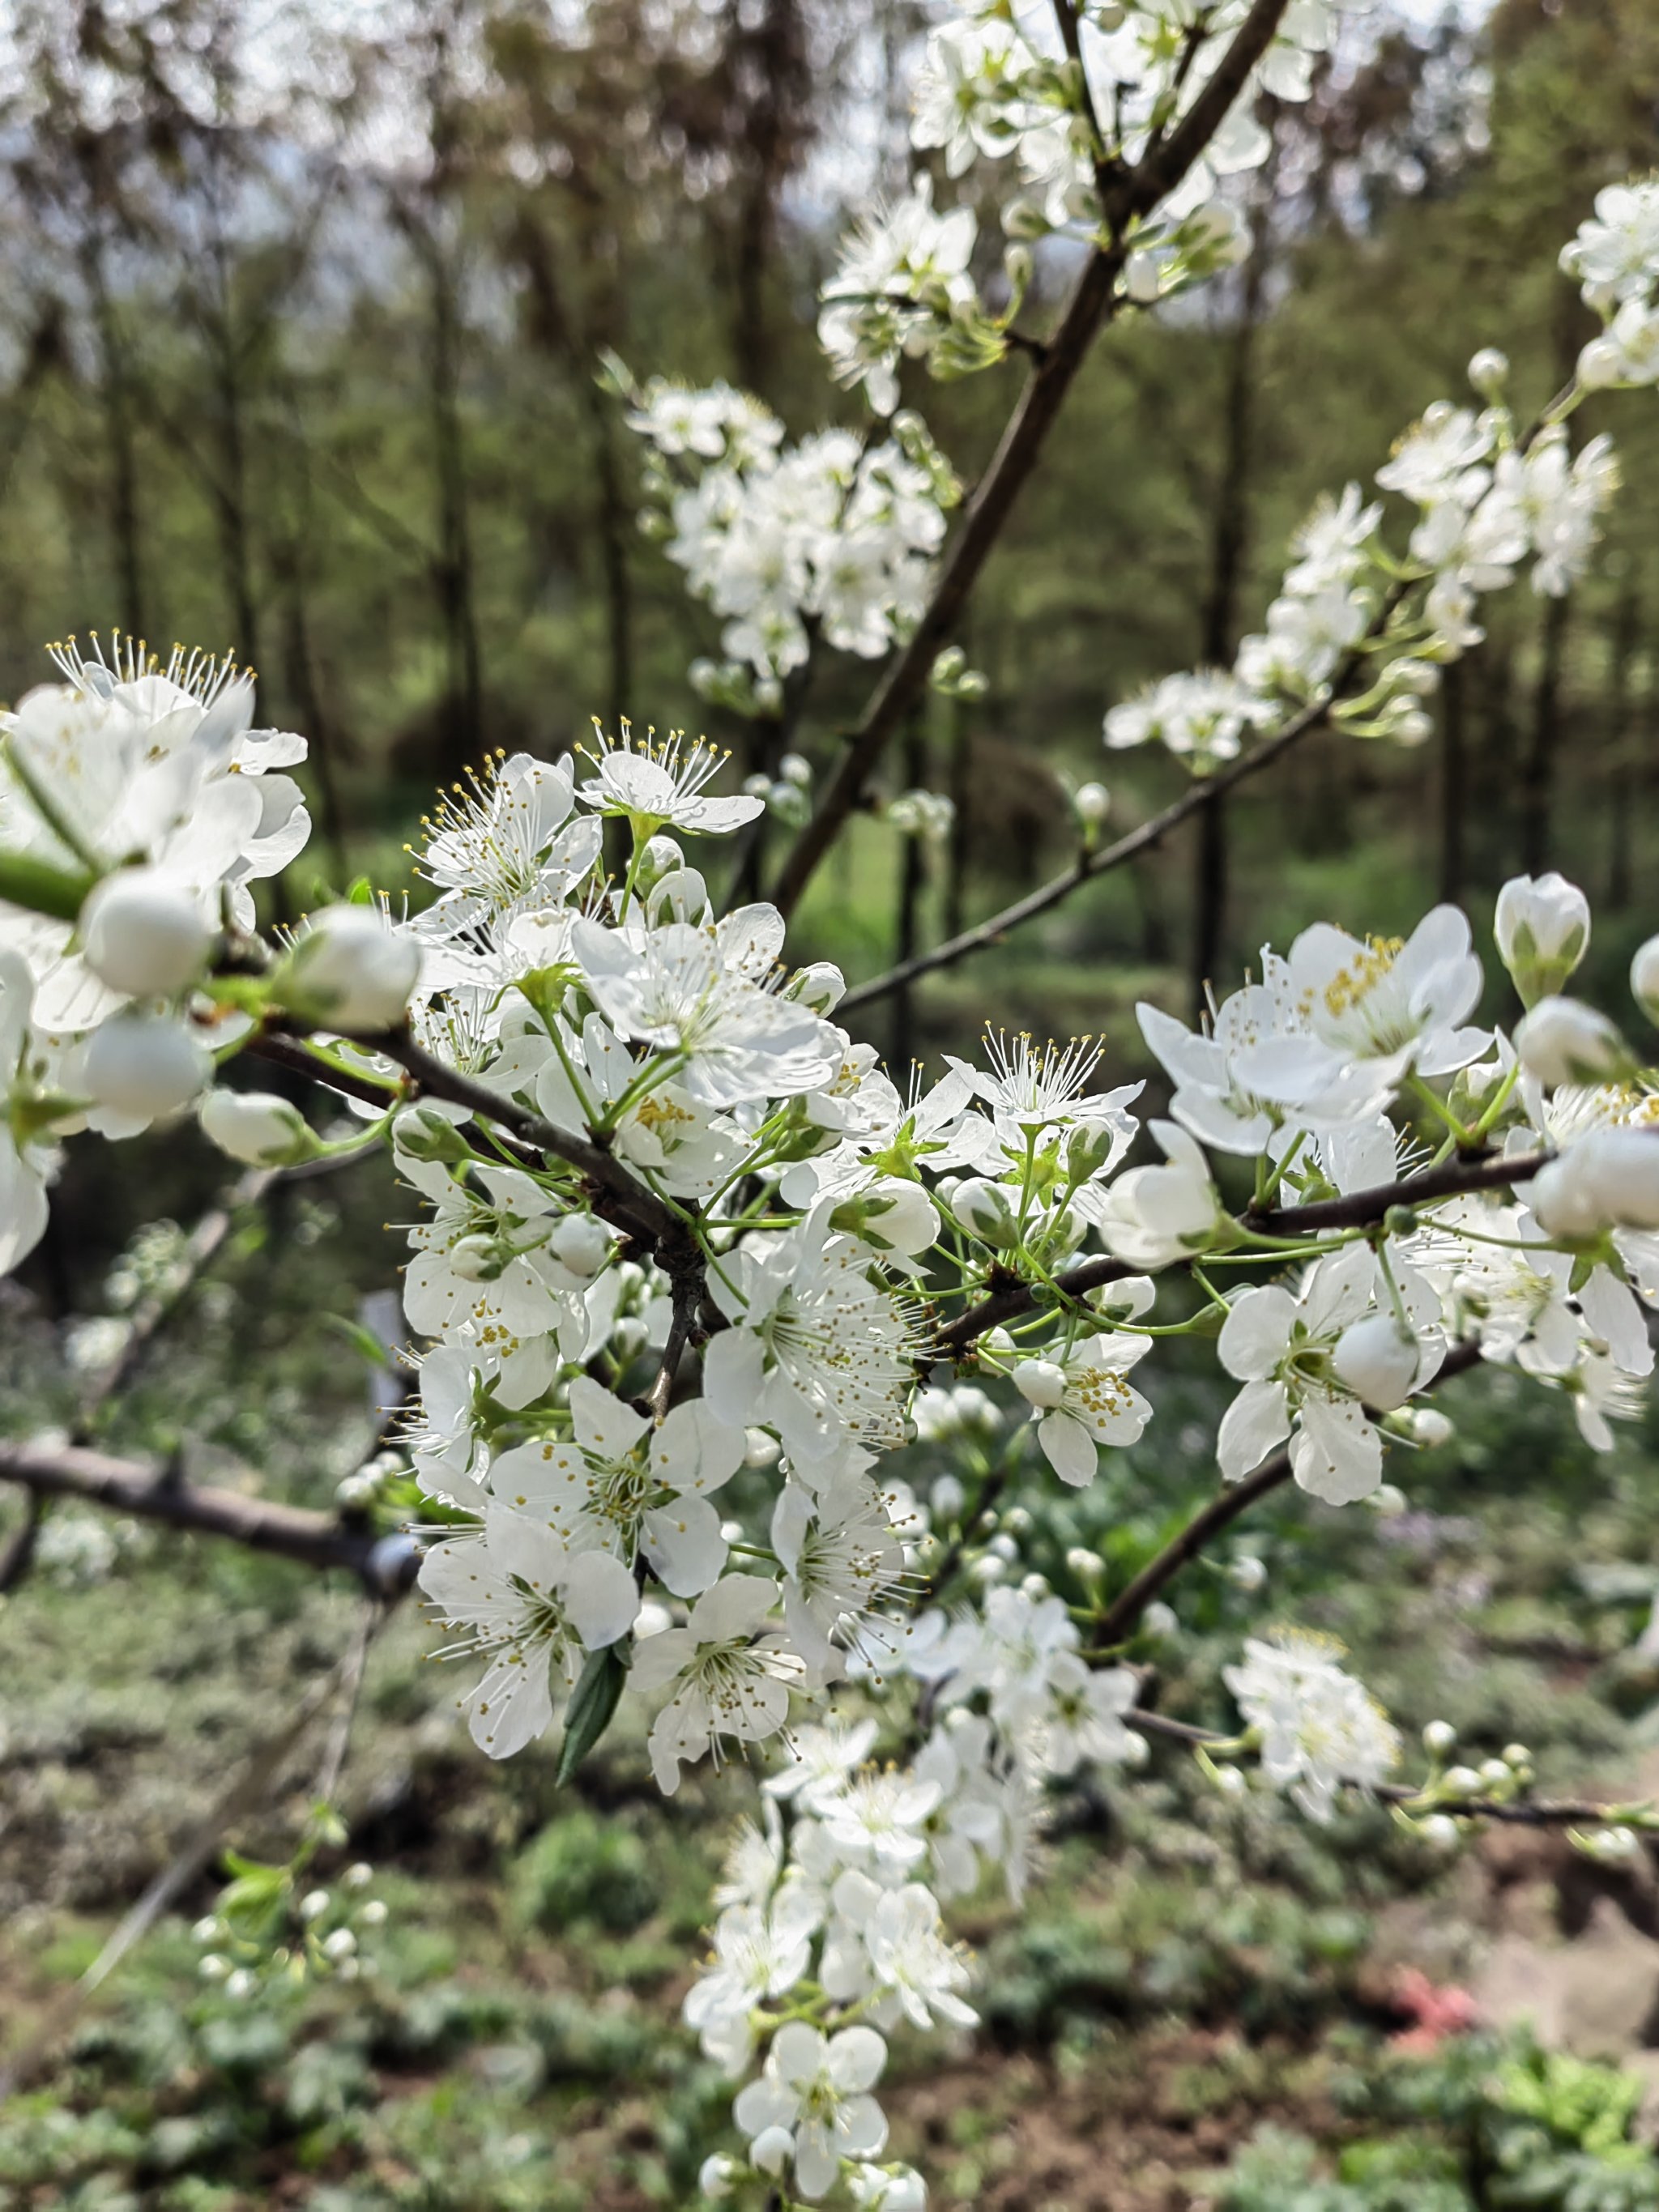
column 1534, row 1813
column 384, row 1565
column 1119, row 1619
column 1201, row 793
column 1093, row 302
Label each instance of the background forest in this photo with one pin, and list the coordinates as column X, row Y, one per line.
column 302, row 323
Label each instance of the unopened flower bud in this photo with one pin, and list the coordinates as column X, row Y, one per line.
column 1563, row 1040
column 358, row 1875
column 1088, row 1566
column 580, row 1244
column 313, row 1905
column 1041, row 1382
column 1609, row 1179
column 1489, row 371
column 1092, row 803
column 352, row 969
column 1430, row 1427
column 142, row 932
column 373, row 1914
column 1441, row 1831
column 716, row 2176
column 988, row 1569
column 1461, row 1782
column 1159, row 1620
column 1644, row 979
column 1496, row 1773
column 821, row 985
column 1601, row 364
column 257, row 1127
column 211, row 1967
column 1378, row 1360
column 1543, row 932
column 1248, row 1573
column 426, row 1134
column 1516, row 1754
column 1438, row 1737
column 1035, row 1586
column 241, row 1985
column 1388, row 1501
column 946, row 1498
column 1230, row 1781
column 476, row 1258
column 983, row 1210
column 340, row 1945
column 1141, row 279
column 146, row 1065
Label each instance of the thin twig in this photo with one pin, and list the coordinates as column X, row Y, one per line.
column 385, row 1564
column 1094, row 302
column 1119, row 1619
column 1534, row 1813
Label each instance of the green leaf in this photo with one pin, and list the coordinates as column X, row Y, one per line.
column 592, row 1704
column 41, row 889
column 363, row 1341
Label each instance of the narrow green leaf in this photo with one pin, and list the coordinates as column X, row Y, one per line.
column 41, row 889
column 592, row 1704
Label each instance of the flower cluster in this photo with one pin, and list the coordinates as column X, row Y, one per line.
column 834, row 536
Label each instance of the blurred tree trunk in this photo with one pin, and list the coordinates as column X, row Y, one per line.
column 1228, row 549
column 462, row 736
column 1623, row 746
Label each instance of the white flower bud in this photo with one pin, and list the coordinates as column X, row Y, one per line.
column 796, row 768
column 1035, row 1586
column 1230, row 1781
column 358, row 1875
column 1091, row 803
column 1496, row 1774
column 1041, row 1382
column 983, row 1210
column 1005, row 1548
column 1461, row 1782
column 1601, row 364
column 716, row 2175
column 772, row 2150
column 373, row 1914
column 146, row 1065
column 1563, row 1040
column 1378, row 1360
column 1489, row 371
column 822, row 987
column 1088, row 1566
column 1248, row 1573
column 1387, row 1502
column 240, row 1984
column 1430, row 1427
column 988, row 1569
column 352, row 969
column 947, row 1498
column 313, row 1905
column 340, row 1945
column 1543, row 932
column 426, row 1133
column 1438, row 1737
column 257, row 1127
column 209, row 1930
column 1141, row 279
column 1441, row 1831
column 1160, row 1620
column 142, row 931
column 211, row 1967
column 475, row 1258
column 580, row 1244
column 1609, row 1179
column 1616, row 1846
column 1644, row 979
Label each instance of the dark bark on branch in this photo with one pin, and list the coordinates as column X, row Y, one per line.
column 385, row 1564
column 1132, row 196
column 1120, row 1618
column 1535, row 1812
